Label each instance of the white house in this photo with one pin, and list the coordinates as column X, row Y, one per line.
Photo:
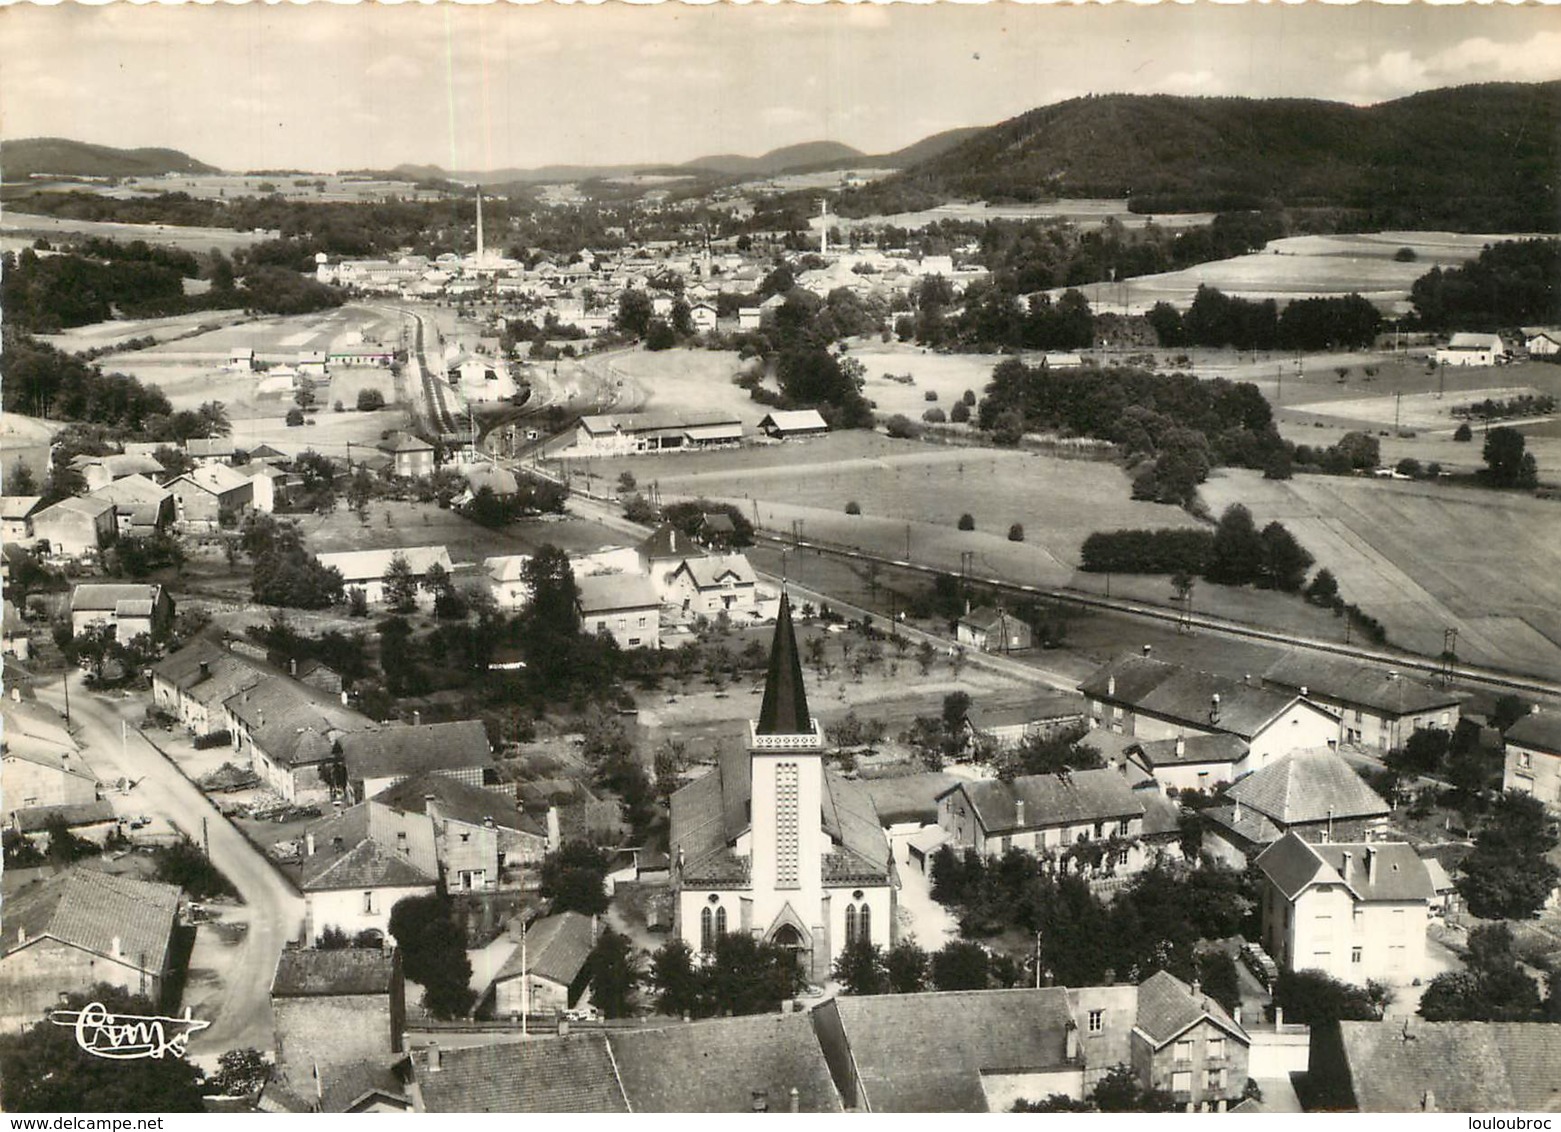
column 624, row 606
column 365, row 569
column 704, row 318
column 506, row 579
column 1354, row 911
column 1472, row 350
column 1542, row 341
column 786, row 424
column 350, row 881
column 1532, row 763
column 713, row 584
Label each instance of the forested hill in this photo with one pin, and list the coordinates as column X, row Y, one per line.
column 20, row 159
column 1477, row 157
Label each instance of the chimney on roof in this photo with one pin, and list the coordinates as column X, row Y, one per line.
column 1181, row 745
column 1303, row 691
column 435, row 1060
column 1197, row 986
column 308, row 844
column 205, row 670
column 1533, row 709
column 796, row 1099
column 417, row 718
column 115, row 948
column 1111, row 685
column 344, row 697
column 1247, row 679
column 1371, row 864
column 1148, row 649
column 1349, row 867
column 1428, row 1102
column 292, row 666
column 1214, row 708
column 1236, row 813
column 1235, row 1014
column 761, row 1100
column 1019, row 812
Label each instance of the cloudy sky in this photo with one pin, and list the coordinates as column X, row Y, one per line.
column 326, row 87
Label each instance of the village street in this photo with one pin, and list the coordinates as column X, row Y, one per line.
column 240, row 1010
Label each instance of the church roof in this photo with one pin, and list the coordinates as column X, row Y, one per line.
column 785, row 708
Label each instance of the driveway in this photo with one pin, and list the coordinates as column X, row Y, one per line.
column 919, row 914
column 240, row 1007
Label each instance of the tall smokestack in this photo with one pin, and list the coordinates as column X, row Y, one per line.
column 479, row 224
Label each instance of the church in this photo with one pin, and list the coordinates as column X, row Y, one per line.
column 773, row 844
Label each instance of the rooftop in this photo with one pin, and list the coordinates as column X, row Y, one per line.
column 95, row 911
column 459, row 801
column 1360, row 685
column 1167, row 1007
column 1051, row 799
column 401, row 749
column 573, row 1074
column 1293, row 865
column 308, row 973
column 605, row 593
column 1186, row 695
column 1540, row 730
column 370, row 565
column 556, row 949
column 1457, row 1066
column 1308, row 786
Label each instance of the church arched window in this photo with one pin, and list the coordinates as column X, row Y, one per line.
column 706, row 930
column 864, row 925
column 720, row 922
column 850, row 925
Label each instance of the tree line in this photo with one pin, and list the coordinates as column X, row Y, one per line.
column 1217, row 319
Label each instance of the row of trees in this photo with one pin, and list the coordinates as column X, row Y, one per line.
column 1217, row 319
column 1234, row 553
column 1512, row 283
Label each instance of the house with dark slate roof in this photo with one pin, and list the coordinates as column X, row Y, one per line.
column 480, row 837
column 771, row 843
column 1357, row 911
column 378, row 757
column 1531, row 763
column 336, row 1008
column 1189, row 762
column 351, row 881
column 559, row 1075
column 1315, row 794
column 291, row 735
column 1150, row 699
column 993, row 630
column 547, row 974
column 1090, row 820
column 193, row 683
column 80, row 928
column 1376, row 707
column 1412, row 1065
column 131, row 609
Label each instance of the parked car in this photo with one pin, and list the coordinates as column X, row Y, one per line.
column 1262, row 966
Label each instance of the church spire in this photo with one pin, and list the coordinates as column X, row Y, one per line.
column 785, row 708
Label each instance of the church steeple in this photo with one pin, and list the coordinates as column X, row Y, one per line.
column 785, row 708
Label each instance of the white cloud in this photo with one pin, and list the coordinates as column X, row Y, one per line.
column 1396, row 73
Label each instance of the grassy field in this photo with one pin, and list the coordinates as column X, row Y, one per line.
column 1424, row 557
column 947, row 375
column 1301, row 266
column 19, row 230
column 1082, row 213
column 676, row 380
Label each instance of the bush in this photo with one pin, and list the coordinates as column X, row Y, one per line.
column 1405, row 255
column 960, row 413
column 1464, row 434
column 930, row 395
column 969, row 399
column 853, row 508
column 1016, row 533
column 183, row 864
column 295, row 417
column 902, row 427
column 967, row 522
column 934, row 416
column 370, row 400
column 216, row 739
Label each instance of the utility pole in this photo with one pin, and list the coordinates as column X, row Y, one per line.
column 65, row 684
column 1398, row 400
column 907, row 542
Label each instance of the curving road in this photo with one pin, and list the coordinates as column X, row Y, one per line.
column 273, row 910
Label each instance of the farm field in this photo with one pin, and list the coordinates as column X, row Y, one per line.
column 924, row 490
column 20, row 230
column 1423, row 558
column 100, row 334
column 947, row 375
column 1083, row 213
column 1301, row 266
column 25, row 440
column 673, row 381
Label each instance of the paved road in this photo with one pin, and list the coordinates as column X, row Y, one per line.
column 273, row 910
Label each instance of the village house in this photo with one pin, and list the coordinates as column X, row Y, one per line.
column 206, row 452
column 336, row 1008
column 792, row 424
column 623, row 606
column 1410, row 1065
column 89, row 821
column 1092, row 814
column 290, row 735
column 703, row 317
column 1377, row 709
column 80, row 928
column 15, row 635
column 771, row 842
column 130, row 609
column 480, row 837
column 1149, row 699
column 350, row 881
column 268, row 484
column 1188, row 762
column 1039, row 717
column 661, row 554
column 1472, row 350
column 712, row 584
column 1531, row 763
column 411, row 457
column 40, row 770
column 100, row 471
column 623, row 433
column 547, row 975
column 208, row 495
column 1315, row 794
column 142, row 507
column 1542, row 341
column 507, row 580
column 365, row 569
column 76, row 527
column 193, row 684
column 993, row 630
column 16, row 517
column 378, row 757
column 1355, row 911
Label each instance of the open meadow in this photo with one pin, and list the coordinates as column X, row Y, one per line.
column 1423, row 557
column 1082, row 213
column 1301, row 266
column 671, row 381
column 21, row 230
column 947, row 375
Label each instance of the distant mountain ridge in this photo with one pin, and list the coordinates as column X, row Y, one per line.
column 21, row 158
column 1432, row 153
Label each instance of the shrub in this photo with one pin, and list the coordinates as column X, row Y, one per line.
column 960, row 413
column 967, row 522
column 370, row 400
column 1464, row 433
column 934, row 416
column 853, row 508
column 930, row 395
column 902, row 427
column 969, row 399
column 1405, row 255
column 295, row 417
column 1016, row 533
column 183, row 864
